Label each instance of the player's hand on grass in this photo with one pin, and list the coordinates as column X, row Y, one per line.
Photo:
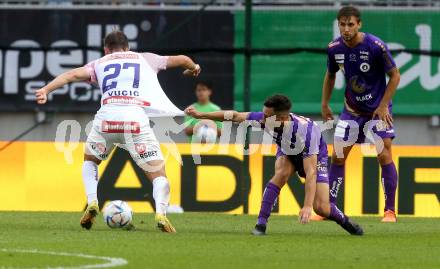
column 304, row 214
column 326, row 113
column 383, row 113
column 191, row 111
column 194, row 72
column 41, row 96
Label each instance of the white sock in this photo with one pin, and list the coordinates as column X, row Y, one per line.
column 90, row 178
column 161, row 194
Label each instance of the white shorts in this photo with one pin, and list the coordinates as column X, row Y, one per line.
column 141, row 143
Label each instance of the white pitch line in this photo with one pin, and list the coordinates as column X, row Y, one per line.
column 110, row 261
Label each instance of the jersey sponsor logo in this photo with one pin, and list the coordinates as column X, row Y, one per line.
column 120, row 127
column 365, row 67
column 356, row 85
column 142, row 152
column 364, row 55
column 364, row 98
column 125, row 100
column 339, row 58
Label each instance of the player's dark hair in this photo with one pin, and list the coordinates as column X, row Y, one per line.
column 347, row 12
column 279, row 103
column 207, row 83
column 116, row 40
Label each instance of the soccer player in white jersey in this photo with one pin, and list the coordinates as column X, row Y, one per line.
column 129, row 86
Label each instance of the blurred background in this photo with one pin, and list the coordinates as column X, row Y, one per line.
column 247, row 49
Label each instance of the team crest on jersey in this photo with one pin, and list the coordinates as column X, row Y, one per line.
column 365, row 67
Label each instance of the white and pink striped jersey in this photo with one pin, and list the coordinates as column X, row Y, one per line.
column 128, row 83
column 125, row 77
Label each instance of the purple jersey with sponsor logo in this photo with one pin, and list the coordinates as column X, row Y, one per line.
column 304, row 135
column 302, row 140
column 364, row 68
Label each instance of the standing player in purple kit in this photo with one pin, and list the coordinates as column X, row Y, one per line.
column 364, row 60
column 300, row 148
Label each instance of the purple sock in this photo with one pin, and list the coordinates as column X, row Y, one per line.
column 270, row 194
column 336, row 214
column 389, row 184
column 336, row 179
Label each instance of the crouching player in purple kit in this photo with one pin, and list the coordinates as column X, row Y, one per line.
column 364, row 60
column 300, row 148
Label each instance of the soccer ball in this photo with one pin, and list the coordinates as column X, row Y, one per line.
column 117, row 214
column 206, row 134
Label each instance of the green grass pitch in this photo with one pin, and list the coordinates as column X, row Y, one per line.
column 208, row 240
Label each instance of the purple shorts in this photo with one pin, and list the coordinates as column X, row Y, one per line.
column 356, row 127
column 322, row 165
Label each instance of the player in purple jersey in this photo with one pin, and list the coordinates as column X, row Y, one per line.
column 301, row 149
column 365, row 61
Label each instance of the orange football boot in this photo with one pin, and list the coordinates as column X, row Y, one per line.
column 389, row 216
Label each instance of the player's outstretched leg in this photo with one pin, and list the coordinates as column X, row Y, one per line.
column 283, row 170
column 90, row 178
column 323, row 207
column 270, row 195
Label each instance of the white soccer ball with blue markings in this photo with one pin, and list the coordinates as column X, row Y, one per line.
column 117, row 214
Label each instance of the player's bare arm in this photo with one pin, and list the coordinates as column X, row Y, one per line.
column 310, row 188
column 74, row 75
column 327, row 89
column 191, row 68
column 222, row 115
column 382, row 112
